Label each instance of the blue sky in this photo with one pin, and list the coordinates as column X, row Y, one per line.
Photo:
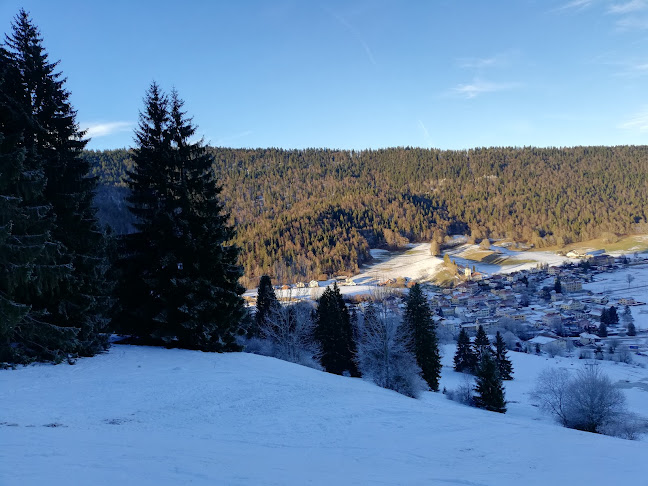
column 359, row 74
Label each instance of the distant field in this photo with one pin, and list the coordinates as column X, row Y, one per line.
column 492, row 257
column 631, row 243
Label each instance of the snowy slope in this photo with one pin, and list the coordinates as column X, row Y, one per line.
column 154, row 416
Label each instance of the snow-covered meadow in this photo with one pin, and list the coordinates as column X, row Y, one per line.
column 139, row 415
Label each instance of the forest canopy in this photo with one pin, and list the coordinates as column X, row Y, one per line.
column 311, row 213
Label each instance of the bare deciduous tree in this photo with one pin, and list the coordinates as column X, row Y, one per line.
column 290, row 330
column 384, row 354
column 551, row 393
column 588, row 401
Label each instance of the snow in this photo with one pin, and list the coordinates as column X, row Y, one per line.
column 139, row 415
column 542, row 340
column 615, row 285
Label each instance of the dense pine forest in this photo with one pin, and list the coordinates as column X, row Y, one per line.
column 309, row 213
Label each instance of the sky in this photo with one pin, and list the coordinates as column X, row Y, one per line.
column 358, row 74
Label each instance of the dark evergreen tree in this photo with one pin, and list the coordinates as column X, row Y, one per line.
column 613, row 316
column 605, row 316
column 482, row 344
column 464, row 359
column 557, row 285
column 334, row 333
column 266, row 302
column 65, row 290
column 18, row 193
column 602, row 330
column 420, row 325
column 632, row 330
column 504, row 365
column 179, row 270
column 489, row 387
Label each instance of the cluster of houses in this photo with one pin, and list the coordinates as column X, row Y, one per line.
column 554, row 313
column 550, row 314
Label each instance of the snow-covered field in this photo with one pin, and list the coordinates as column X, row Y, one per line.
column 417, row 263
column 138, row 415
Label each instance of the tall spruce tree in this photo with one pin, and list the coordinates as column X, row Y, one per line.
column 18, row 191
column 64, row 286
column 418, row 320
column 464, row 358
column 488, row 385
column 179, row 270
column 334, row 333
column 504, row 365
column 266, row 302
column 482, row 344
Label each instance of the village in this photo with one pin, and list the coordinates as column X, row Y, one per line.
column 554, row 310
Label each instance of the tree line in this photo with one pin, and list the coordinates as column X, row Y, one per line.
column 394, row 350
column 303, row 214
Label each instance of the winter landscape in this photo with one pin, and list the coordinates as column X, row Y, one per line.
column 350, row 242
column 144, row 415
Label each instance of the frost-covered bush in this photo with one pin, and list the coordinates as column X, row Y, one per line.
column 385, row 356
column 287, row 334
column 627, row 426
column 463, row 393
column 588, row 401
column 585, row 354
column 554, row 349
column 623, row 355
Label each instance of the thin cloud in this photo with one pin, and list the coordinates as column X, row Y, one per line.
column 478, row 88
column 498, row 60
column 426, row 134
column 228, row 139
column 632, row 23
column 96, row 130
column 575, row 5
column 352, row 30
column 638, row 122
column 634, row 70
column 627, row 7
column 477, row 63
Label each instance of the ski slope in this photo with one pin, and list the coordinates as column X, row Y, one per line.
column 152, row 416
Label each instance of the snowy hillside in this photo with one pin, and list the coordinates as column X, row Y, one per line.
column 150, row 416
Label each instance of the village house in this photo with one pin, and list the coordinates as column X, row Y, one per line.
column 545, row 341
column 551, row 319
column 572, row 305
column 587, row 338
column 571, row 285
column 629, row 301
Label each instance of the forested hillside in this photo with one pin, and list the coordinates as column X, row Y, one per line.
column 305, row 213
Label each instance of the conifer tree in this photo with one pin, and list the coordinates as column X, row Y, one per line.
column 17, row 194
column 179, row 270
column 605, row 316
column 464, row 359
column 632, row 330
column 602, row 330
column 504, row 365
column 64, row 286
column 266, row 302
column 418, row 320
column 481, row 344
column 334, row 333
column 488, row 385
